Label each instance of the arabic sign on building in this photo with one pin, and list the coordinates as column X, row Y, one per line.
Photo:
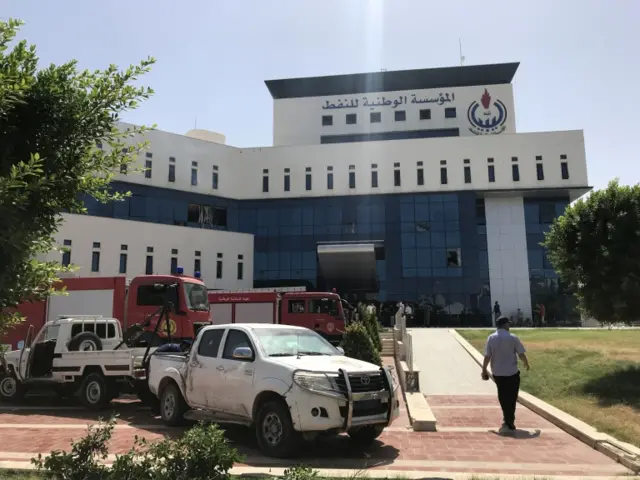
column 394, row 102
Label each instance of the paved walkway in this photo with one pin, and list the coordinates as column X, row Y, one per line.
column 445, row 367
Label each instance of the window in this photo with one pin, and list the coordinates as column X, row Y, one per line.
column 197, row 267
column 148, row 268
column 329, row 178
column 323, row 306
column 235, row 339
column 210, row 343
column 564, row 170
column 147, row 165
column 443, row 176
column 123, row 263
column 374, row 179
column 538, row 158
column 547, row 212
column 197, row 253
column 489, row 160
column 148, row 155
column 287, row 180
column 307, row 179
column 214, row 178
column 172, row 172
column 420, row 173
column 149, row 249
column 396, row 175
column 174, row 251
column 327, row 120
column 514, row 159
column 450, row 112
column 96, row 244
column 453, row 257
column 491, row 171
column 240, row 270
column 467, row 174
column 150, row 296
column 351, row 119
column 352, row 176
column 67, row 243
column 174, row 265
column 194, row 176
column 539, row 171
column 425, row 114
column 297, row 306
column 207, row 215
column 375, row 117
column 515, row 172
column 102, row 330
column 95, row 261
column 66, row 254
column 219, row 266
column 265, row 180
column 399, row 115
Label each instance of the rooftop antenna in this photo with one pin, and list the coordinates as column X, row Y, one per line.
column 461, row 56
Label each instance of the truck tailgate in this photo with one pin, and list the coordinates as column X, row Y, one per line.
column 161, row 363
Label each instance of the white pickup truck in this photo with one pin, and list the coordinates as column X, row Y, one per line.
column 287, row 382
column 78, row 354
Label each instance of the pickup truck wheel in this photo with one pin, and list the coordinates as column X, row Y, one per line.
column 274, row 430
column 172, row 405
column 365, row 436
column 94, row 392
column 11, row 389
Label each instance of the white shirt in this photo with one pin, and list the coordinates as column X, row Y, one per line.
column 503, row 347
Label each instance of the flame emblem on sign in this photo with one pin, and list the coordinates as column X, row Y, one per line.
column 487, row 117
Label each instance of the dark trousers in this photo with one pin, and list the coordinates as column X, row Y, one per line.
column 508, row 388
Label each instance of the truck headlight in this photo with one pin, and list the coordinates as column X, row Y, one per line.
column 321, row 383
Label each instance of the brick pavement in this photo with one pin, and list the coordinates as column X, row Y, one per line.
column 466, row 443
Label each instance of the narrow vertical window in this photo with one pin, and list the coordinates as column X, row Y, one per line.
column 539, row 171
column 443, row 176
column 307, row 179
column 240, row 267
column 174, row 265
column 123, row 263
column 491, row 172
column 329, row 178
column 172, row 172
column 374, row 176
column 66, row 254
column 564, row 170
column 515, row 172
column 214, row 178
column 148, row 166
column 197, row 267
column 148, row 268
column 287, row 180
column 467, row 174
column 352, row 176
column 420, row 174
column 95, row 261
column 219, row 266
column 265, row 180
column 194, row 173
column 396, row 174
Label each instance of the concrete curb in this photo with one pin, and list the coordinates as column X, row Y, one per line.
column 624, row 453
column 420, row 415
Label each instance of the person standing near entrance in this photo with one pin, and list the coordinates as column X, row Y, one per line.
column 496, row 311
column 502, row 351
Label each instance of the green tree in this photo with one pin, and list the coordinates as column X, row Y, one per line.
column 59, row 141
column 595, row 249
column 357, row 343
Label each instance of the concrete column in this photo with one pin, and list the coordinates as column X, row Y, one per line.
column 508, row 260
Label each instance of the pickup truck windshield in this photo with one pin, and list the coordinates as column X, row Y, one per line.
column 289, row 342
column 195, row 295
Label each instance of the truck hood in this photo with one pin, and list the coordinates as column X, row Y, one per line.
column 326, row 363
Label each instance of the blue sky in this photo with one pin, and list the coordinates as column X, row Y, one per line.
column 579, row 67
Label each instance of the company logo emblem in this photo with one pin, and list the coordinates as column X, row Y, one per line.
column 365, row 380
column 488, row 117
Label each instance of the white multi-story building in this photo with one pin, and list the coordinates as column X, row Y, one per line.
column 410, row 185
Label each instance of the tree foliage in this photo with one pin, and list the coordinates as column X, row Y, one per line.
column 370, row 321
column 595, row 248
column 52, row 122
column 357, row 343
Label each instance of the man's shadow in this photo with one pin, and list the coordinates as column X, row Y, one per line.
column 518, row 434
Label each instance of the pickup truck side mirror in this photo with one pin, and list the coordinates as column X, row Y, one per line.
column 341, row 350
column 243, row 353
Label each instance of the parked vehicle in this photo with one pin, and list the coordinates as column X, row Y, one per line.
column 133, row 302
column 287, row 382
column 321, row 312
column 79, row 354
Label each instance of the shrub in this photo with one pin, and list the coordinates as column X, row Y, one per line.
column 202, row 453
column 300, row 472
column 357, row 343
column 371, row 321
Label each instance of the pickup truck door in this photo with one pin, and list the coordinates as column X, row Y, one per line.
column 237, row 375
column 203, row 380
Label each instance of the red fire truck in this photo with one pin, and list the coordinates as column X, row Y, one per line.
column 319, row 311
column 131, row 303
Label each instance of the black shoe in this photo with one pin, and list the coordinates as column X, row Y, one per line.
column 511, row 427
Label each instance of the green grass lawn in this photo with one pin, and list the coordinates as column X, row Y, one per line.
column 593, row 375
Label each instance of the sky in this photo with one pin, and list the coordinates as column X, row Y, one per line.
column 578, row 70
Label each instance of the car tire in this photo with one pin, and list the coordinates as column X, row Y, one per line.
column 94, row 392
column 274, row 430
column 85, row 342
column 172, row 406
column 11, row 389
column 365, row 436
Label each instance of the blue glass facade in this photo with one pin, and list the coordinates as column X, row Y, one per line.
column 432, row 248
column 545, row 286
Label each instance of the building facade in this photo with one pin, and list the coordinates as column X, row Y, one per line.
column 408, row 186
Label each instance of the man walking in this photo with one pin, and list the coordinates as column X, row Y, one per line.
column 502, row 351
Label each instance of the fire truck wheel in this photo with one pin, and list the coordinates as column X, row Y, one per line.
column 274, row 430
column 365, row 436
column 172, row 405
column 94, row 392
column 85, row 342
column 11, row 389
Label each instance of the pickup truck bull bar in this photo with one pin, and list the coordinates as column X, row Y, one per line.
column 357, row 396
